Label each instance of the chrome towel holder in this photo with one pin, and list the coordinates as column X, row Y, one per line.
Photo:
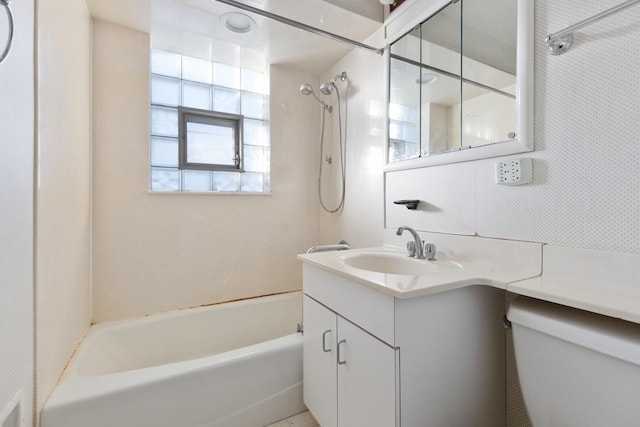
column 7, row 48
column 559, row 42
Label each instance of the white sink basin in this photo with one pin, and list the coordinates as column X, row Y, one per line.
column 395, row 263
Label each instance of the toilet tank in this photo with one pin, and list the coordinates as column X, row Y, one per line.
column 576, row 368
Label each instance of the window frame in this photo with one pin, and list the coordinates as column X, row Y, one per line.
column 214, row 118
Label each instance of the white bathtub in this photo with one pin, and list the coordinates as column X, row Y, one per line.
column 236, row 364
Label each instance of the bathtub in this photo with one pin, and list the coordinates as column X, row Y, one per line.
column 235, row 364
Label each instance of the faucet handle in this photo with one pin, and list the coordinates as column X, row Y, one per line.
column 411, row 248
column 429, row 251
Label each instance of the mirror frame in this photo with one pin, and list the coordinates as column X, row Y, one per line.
column 402, row 20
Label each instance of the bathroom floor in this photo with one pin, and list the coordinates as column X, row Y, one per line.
column 303, row 419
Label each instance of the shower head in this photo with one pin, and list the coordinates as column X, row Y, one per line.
column 327, row 88
column 307, row 89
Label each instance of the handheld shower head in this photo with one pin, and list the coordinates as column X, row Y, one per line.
column 307, row 89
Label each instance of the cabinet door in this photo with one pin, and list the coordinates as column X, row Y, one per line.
column 319, row 359
column 366, row 379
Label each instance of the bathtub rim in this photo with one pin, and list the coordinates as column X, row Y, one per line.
column 74, row 386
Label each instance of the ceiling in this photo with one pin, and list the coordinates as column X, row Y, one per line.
column 190, row 27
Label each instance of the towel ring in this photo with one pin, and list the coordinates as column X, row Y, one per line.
column 7, row 48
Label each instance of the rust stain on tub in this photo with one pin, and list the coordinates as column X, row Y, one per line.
column 245, row 299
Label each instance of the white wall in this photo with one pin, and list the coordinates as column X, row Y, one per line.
column 362, row 219
column 64, row 184
column 156, row 252
column 16, row 217
column 586, row 191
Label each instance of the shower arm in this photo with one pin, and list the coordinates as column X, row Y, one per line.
column 342, row 77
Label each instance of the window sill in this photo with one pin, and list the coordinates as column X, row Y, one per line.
column 207, row 193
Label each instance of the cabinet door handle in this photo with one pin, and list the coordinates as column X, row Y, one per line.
column 341, row 362
column 324, row 341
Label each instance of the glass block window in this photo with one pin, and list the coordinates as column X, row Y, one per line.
column 403, row 132
column 223, row 110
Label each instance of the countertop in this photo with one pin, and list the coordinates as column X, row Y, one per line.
column 606, row 283
column 602, row 282
column 448, row 273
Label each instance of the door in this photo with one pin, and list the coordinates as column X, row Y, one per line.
column 319, row 362
column 366, row 379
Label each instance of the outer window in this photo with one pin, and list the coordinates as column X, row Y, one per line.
column 209, row 140
column 200, row 98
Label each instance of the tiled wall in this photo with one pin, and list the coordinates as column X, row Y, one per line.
column 586, row 163
column 16, row 218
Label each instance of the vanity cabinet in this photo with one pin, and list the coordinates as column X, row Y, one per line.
column 349, row 375
column 433, row 360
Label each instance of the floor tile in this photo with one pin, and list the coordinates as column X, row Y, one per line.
column 303, row 419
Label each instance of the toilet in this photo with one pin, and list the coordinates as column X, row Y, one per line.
column 576, row 368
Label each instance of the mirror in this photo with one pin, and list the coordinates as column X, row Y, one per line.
column 460, row 83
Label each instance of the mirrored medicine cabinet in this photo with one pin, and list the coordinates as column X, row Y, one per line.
column 460, row 81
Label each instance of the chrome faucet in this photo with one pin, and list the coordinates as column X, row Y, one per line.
column 419, row 248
